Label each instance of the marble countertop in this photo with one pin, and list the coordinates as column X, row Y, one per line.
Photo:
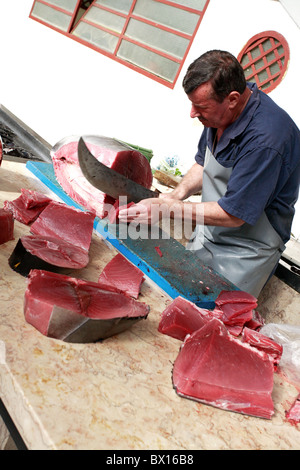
column 118, row 394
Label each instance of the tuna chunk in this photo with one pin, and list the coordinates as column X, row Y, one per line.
column 33, row 252
column 182, row 317
column 238, row 309
column 108, row 151
column 236, row 296
column 61, row 239
column 6, row 226
column 62, row 222
column 263, row 343
column 214, row 368
column 75, row 310
column 293, row 414
column 123, row 275
column 33, row 199
column 28, row 206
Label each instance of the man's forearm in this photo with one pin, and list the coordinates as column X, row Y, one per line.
column 191, row 183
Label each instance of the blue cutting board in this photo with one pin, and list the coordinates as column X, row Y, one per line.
column 178, row 272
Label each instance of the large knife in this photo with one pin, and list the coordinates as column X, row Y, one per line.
column 108, row 180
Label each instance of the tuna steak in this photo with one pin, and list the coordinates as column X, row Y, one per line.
column 182, row 317
column 61, row 239
column 236, row 296
column 33, row 252
column 65, row 223
column 28, row 206
column 214, row 368
column 6, row 226
column 110, row 152
column 293, row 414
column 75, row 310
column 123, row 275
column 263, row 343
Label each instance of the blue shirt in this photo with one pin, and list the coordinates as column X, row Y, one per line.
column 263, row 149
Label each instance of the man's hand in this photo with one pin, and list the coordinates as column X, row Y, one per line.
column 152, row 210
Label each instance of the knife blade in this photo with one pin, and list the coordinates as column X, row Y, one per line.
column 108, row 180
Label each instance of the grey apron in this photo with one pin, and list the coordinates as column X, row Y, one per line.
column 245, row 255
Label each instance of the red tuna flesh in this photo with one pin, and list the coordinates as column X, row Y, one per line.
column 41, row 253
column 123, row 275
column 293, row 415
column 256, row 321
column 6, row 226
column 231, row 297
column 33, row 199
column 28, row 206
column 61, row 239
column 76, row 310
column 181, row 318
column 263, row 343
column 214, row 368
column 108, row 151
column 237, row 309
column 62, row 222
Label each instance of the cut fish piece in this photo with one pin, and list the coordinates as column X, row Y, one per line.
column 123, row 275
column 182, row 317
column 293, row 414
column 62, row 222
column 61, row 239
column 214, row 368
column 6, row 226
column 256, row 321
column 235, row 296
column 76, row 310
column 32, row 252
column 263, row 343
column 33, row 199
column 28, row 206
column 112, row 153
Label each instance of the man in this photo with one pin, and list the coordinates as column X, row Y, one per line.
column 248, row 166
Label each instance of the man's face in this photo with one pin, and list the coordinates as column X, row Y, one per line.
column 206, row 109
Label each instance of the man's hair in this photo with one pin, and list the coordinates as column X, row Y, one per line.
column 221, row 69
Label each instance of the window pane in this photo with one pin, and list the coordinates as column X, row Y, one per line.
column 122, row 6
column 51, row 16
column 267, row 45
column 255, row 52
column 262, row 76
column 96, row 36
column 274, row 68
column 148, row 60
column 157, row 38
column 106, row 19
column 166, row 15
column 259, row 64
column 68, row 5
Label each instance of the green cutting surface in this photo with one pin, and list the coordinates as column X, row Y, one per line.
column 176, row 270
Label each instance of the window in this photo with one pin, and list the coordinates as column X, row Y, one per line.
column 149, row 36
column 265, row 60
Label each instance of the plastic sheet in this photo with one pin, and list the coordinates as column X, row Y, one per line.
column 289, row 337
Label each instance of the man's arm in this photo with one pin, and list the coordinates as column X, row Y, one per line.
column 191, row 183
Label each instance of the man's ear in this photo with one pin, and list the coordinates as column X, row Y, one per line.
column 234, row 98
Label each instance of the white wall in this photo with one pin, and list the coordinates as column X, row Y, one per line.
column 59, row 87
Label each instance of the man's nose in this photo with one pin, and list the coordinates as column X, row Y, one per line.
column 194, row 112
